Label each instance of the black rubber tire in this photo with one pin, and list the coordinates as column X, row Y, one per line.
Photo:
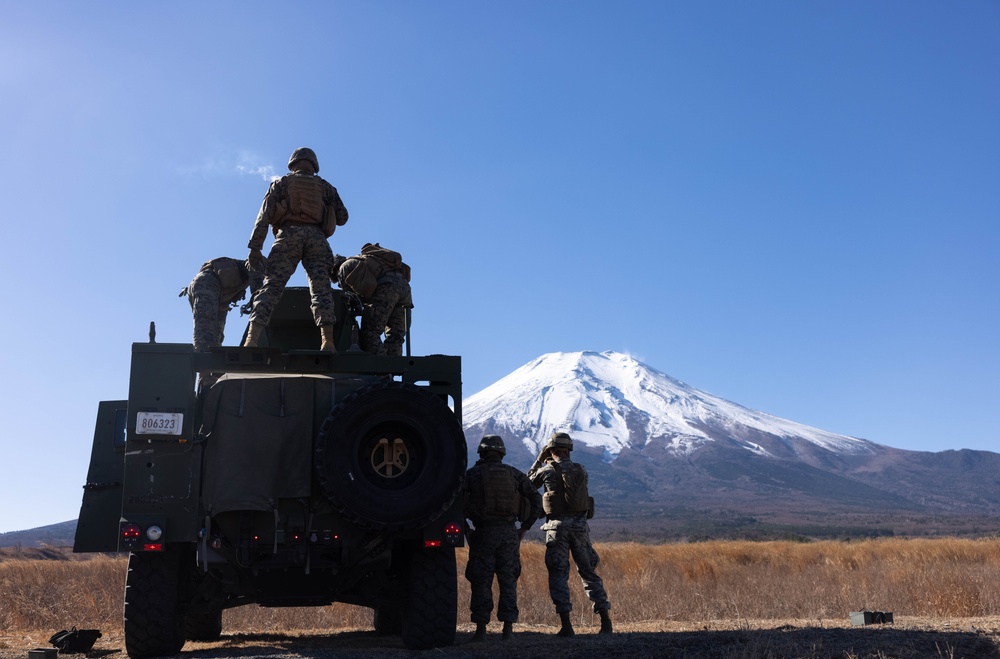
column 203, row 626
column 431, row 610
column 428, row 456
column 388, row 621
column 154, row 625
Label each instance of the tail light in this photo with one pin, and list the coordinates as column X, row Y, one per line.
column 134, row 538
column 453, row 534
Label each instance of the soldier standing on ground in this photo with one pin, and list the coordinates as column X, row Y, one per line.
column 218, row 286
column 496, row 495
column 380, row 278
column 568, row 505
column 303, row 211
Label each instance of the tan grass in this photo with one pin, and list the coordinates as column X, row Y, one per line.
column 685, row 583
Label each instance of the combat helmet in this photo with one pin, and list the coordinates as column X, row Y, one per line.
column 492, row 443
column 560, row 440
column 304, row 153
column 338, row 260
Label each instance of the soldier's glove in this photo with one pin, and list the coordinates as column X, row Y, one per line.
column 257, row 260
column 520, row 533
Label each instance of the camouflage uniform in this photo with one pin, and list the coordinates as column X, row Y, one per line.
column 219, row 284
column 495, row 546
column 384, row 307
column 565, row 535
column 386, row 311
column 297, row 238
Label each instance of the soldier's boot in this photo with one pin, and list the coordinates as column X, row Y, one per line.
column 253, row 334
column 605, row 622
column 480, row 634
column 326, row 331
column 567, row 626
column 508, row 630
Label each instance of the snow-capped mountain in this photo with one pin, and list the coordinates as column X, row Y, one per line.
column 610, row 400
column 661, row 451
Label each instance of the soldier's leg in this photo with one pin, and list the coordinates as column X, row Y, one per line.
column 374, row 317
column 508, row 572
column 479, row 572
column 281, row 263
column 395, row 325
column 557, row 563
column 586, row 560
column 317, row 260
column 203, row 294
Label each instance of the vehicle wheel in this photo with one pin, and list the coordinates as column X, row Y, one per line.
column 391, row 456
column 203, row 626
column 431, row 609
column 388, row 621
column 154, row 625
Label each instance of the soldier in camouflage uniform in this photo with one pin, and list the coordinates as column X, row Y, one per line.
column 496, row 495
column 381, row 280
column 568, row 505
column 217, row 287
column 303, row 211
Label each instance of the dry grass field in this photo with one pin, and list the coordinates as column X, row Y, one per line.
column 711, row 599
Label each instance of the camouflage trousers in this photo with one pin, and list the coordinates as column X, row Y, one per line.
column 385, row 312
column 563, row 538
column 292, row 245
column 494, row 550
column 210, row 314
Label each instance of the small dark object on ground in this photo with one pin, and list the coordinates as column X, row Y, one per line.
column 75, row 641
column 859, row 618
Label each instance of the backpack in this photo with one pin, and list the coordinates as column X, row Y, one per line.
column 75, row 640
column 386, row 260
column 356, row 275
column 570, row 496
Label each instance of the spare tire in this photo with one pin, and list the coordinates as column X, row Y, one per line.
column 391, row 456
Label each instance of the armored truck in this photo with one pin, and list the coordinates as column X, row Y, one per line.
column 280, row 476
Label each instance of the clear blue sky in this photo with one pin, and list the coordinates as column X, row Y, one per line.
column 792, row 205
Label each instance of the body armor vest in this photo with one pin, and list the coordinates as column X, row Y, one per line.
column 500, row 494
column 570, row 496
column 305, row 199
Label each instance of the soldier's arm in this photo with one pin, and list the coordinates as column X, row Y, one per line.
column 537, row 473
column 264, row 217
column 530, row 492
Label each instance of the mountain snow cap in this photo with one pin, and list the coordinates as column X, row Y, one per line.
column 611, row 401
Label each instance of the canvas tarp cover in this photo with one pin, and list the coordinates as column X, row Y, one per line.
column 259, row 441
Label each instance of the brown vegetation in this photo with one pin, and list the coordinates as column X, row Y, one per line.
column 654, row 588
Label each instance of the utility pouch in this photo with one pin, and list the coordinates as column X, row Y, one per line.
column 554, row 503
column 329, row 220
column 229, row 277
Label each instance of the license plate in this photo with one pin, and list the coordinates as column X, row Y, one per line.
column 159, row 423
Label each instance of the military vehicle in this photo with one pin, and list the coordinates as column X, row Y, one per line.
column 280, row 476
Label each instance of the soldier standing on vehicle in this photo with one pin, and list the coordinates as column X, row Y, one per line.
column 496, row 496
column 303, row 211
column 218, row 286
column 568, row 506
column 380, row 278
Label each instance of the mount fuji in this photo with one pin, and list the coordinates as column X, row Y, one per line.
column 669, row 460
